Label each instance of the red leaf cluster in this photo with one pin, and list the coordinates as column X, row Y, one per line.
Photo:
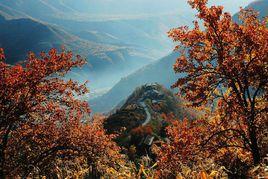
column 42, row 119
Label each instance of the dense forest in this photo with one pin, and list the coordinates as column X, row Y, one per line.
column 212, row 123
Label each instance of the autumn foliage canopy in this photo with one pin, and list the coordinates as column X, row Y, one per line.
column 42, row 120
column 224, row 68
column 45, row 129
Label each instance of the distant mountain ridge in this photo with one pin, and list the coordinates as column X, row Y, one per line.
column 116, row 8
column 108, row 50
column 116, row 36
column 19, row 35
column 30, row 34
column 160, row 71
column 9, row 13
column 260, row 6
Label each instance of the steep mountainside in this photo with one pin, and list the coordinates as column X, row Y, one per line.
column 104, row 8
column 107, row 49
column 19, row 36
column 141, row 116
column 146, row 34
column 40, row 9
column 141, row 23
column 9, row 12
column 116, row 36
column 160, row 71
column 147, row 31
column 259, row 5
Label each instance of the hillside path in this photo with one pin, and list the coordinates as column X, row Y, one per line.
column 148, row 114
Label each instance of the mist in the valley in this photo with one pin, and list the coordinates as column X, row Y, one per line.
column 119, row 38
column 135, row 24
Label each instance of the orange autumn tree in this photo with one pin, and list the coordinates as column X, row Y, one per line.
column 224, row 65
column 183, row 156
column 43, row 121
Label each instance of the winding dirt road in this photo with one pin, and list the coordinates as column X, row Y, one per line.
column 148, row 114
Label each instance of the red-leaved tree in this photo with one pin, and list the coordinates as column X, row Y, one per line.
column 42, row 120
column 223, row 65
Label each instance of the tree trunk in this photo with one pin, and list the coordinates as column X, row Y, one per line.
column 255, row 150
column 2, row 161
column 2, row 173
column 3, row 147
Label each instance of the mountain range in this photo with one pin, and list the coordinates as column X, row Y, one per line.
column 47, row 9
column 19, row 36
column 160, row 71
column 21, row 33
column 113, row 48
column 261, row 6
column 118, row 38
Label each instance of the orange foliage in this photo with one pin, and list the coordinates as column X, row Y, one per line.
column 2, row 55
column 188, row 146
column 224, row 66
column 142, row 131
column 183, row 147
column 42, row 120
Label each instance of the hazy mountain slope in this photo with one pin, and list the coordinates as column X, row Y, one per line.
column 129, row 33
column 49, row 8
column 143, row 23
column 10, row 13
column 259, row 5
column 160, row 71
column 19, row 36
column 119, row 8
column 105, row 53
column 40, row 9
column 149, row 34
column 100, row 37
column 123, row 8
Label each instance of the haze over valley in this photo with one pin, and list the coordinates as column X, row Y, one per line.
column 117, row 37
column 134, row 89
